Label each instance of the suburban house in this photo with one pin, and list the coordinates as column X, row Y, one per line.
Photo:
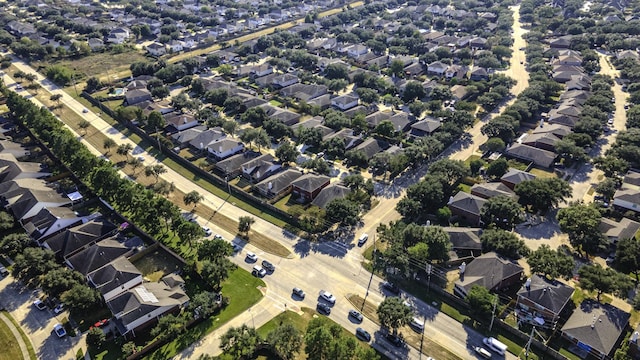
column 156, row 49
column 437, row 68
column 308, row 186
column 491, row 189
column 543, row 299
column 479, row 74
column 465, row 242
column 181, row 122
column 634, row 345
column 183, row 138
column 255, row 170
column 616, row 230
column 232, row 166
column 347, row 135
column 136, row 96
column 425, row 127
column 596, row 328
column 223, row 148
column 544, row 141
column 344, row 102
column 25, row 202
column 557, row 130
column 627, row 199
column 277, row 184
column 330, row 193
column 514, row 177
column 141, row 306
column 49, row 221
column 489, row 271
column 95, row 44
column 71, row 240
column 115, row 278
column 101, row 253
column 304, row 92
column 539, row 157
column 11, row 169
column 372, row 146
column 17, row 150
column 467, row 207
column 284, row 80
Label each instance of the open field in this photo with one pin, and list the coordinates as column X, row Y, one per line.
column 102, row 65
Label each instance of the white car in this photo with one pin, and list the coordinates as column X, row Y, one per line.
column 58, row 309
column 328, row 297
column 60, row 331
column 218, row 237
column 207, row 231
column 85, row 110
column 252, row 257
column 39, row 305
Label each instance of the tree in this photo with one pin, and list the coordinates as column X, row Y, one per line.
column 627, row 258
column 155, row 170
column 169, row 327
column 95, row 338
column 13, row 244
column 59, row 280
column 56, row 98
column 542, row 194
column 604, row 280
column 582, row 223
column 551, row 263
column 6, row 222
column 84, row 125
column 494, row 144
column 504, row 243
column 607, row 188
column 135, row 164
column 325, row 340
column 413, row 90
column 480, row 301
column 108, row 144
column 501, row 211
column 240, row 342
column 192, row 197
column 475, row 165
column 204, row 304
column 189, row 231
column 498, row 168
column 32, row 263
column 396, row 68
column 255, row 116
column 287, row 153
column 344, row 211
column 213, row 248
column 612, row 166
column 215, row 271
column 93, row 84
column 393, row 313
column 80, row 296
column 155, row 121
column 244, row 224
column 129, row 348
column 285, row 340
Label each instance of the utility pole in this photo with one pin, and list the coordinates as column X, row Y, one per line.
column 373, row 268
column 429, row 268
column 493, row 313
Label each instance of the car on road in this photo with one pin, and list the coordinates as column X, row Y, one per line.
column 39, row 304
column 140, row 158
column 391, row 287
column 3, row 271
column 59, row 330
column 356, row 315
column 363, row 239
column 207, row 231
column 58, row 309
column 395, row 340
column 258, row 271
column 236, row 247
column 363, row 334
column 18, row 87
column 268, row 266
column 299, row 293
column 323, row 308
column 85, row 110
column 482, row 352
column 252, row 257
column 610, row 121
column 328, row 297
column 217, row 237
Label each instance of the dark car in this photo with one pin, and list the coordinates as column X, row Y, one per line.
column 395, row 340
column 268, row 266
column 356, row 315
column 323, row 309
column 299, row 293
column 363, row 334
column 392, row 288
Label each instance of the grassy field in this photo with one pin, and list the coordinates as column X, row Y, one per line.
column 9, row 344
column 542, row 173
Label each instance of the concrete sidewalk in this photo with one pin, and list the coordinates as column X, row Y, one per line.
column 16, row 334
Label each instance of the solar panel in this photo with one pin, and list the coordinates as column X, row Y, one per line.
column 145, row 295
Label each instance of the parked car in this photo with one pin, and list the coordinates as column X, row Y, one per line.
column 85, row 110
column 392, row 288
column 356, row 315
column 252, row 257
column 218, row 237
column 39, row 304
column 268, row 266
column 328, row 297
column 363, row 239
column 323, row 308
column 59, row 330
column 101, row 323
column 258, row 271
column 482, row 352
column 3, row 271
column 363, row 334
column 395, row 340
column 299, row 293
column 58, row 309
column 207, row 231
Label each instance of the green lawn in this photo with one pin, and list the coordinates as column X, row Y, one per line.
column 9, row 344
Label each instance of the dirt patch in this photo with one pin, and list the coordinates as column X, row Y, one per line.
column 99, row 65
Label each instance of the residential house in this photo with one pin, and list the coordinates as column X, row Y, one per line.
column 437, row 68
column 49, row 221
column 568, row 57
column 372, row 146
column 277, row 184
column 465, row 242
column 180, row 121
column 345, row 102
column 479, row 74
column 224, row 148
column 232, row 166
column 304, row 92
column 478, row 43
column 176, row 46
column 544, row 141
column 95, row 44
column 136, row 96
column 561, row 43
column 467, row 207
column 118, row 35
column 260, row 168
column 347, row 135
column 283, row 80
column 330, row 193
column 556, row 117
column 156, row 49
column 115, row 278
column 12, row 169
column 627, row 199
column 542, row 299
column 425, row 127
column 377, row 117
column 308, row 186
column 628, row 54
column 491, row 189
column 514, row 177
column 634, row 345
column 10, row 147
column 596, row 328
column 25, row 202
column 141, row 306
column 490, row 271
column 163, row 107
column 70, row 241
column 285, row 116
column 101, row 253
column 539, row 157
column 322, row 101
column 616, row 230
column 459, row 92
column 557, row 130
column 182, row 138
column 356, row 50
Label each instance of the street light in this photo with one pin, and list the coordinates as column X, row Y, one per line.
column 429, row 268
column 252, row 321
column 373, row 268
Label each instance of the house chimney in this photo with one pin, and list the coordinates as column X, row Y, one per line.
column 527, row 284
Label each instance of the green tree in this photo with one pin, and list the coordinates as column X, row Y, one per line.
column 287, row 152
column 285, row 340
column 204, row 304
column 501, row 211
column 551, row 263
column 604, row 280
column 240, row 342
column 155, row 170
column 344, row 211
column 107, row 144
column 129, row 348
column 155, row 121
column 480, row 301
column 504, row 243
column 213, row 248
column 13, row 244
column 612, row 166
column 582, row 223
column 494, row 144
column 393, row 313
column 607, row 188
column 497, row 168
column 188, row 231
column 84, row 125
column 59, row 280
column 6, row 222
column 542, row 194
column 80, row 296
column 192, row 197
column 413, row 90
column 216, row 270
column 627, row 258
column 32, row 263
column 169, row 327
column 95, row 338
column 244, row 224
column 396, row 68
column 135, row 163
column 56, row 98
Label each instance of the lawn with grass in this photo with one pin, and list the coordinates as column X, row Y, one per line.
column 9, row 344
column 98, row 64
column 543, row 174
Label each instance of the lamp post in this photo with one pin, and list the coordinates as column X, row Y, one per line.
column 429, row 268
column 373, row 268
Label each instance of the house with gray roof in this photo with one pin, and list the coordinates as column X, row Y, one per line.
column 70, row 241
column 539, row 157
column 101, row 253
column 136, row 96
column 491, row 189
column 304, row 92
column 141, row 306
column 627, row 199
column 544, row 141
column 232, row 166
column 596, row 328
column 277, row 184
column 49, row 221
column 224, row 147
column 557, row 130
column 424, row 127
column 308, row 186
column 10, row 147
column 330, row 193
column 489, row 271
column 371, row 146
column 377, row 117
column 25, row 202
column 11, row 168
column 182, row 138
column 465, row 241
column 180, row 121
column 115, row 278
column 345, row 102
column 256, row 170
column 616, row 230
column 467, row 207
column 514, row 177
column 542, row 298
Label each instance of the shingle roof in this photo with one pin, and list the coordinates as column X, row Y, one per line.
column 328, row 194
column 515, row 176
column 276, row 183
column 624, row 229
column 552, row 295
column 464, row 238
column 488, row 271
column 467, row 202
column 597, row 325
column 114, row 275
column 97, row 255
column 45, row 218
column 489, row 190
column 75, row 238
column 539, row 157
column 310, row 182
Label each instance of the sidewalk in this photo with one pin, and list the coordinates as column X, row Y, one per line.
column 16, row 334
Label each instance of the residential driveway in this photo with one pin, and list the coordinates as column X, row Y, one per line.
column 36, row 324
